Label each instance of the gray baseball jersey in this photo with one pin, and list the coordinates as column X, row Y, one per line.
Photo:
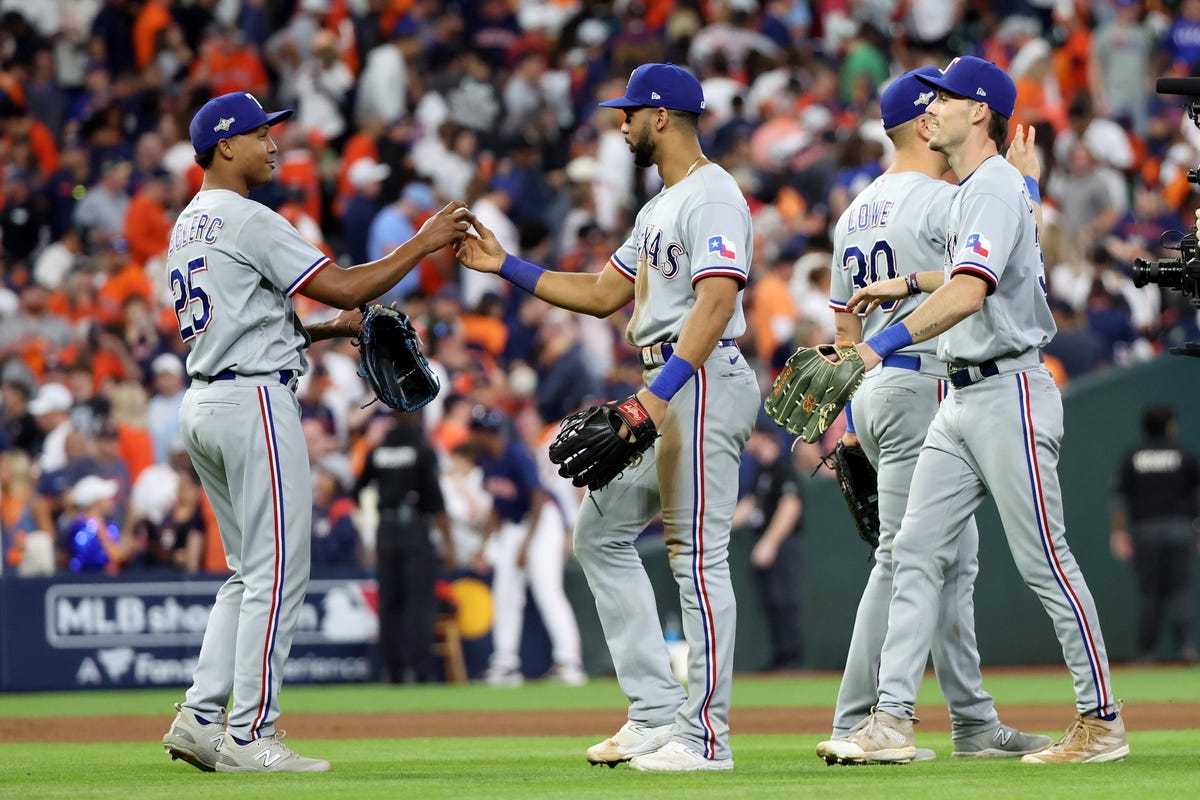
column 895, row 226
column 232, row 267
column 697, row 228
column 992, row 233
column 999, row 433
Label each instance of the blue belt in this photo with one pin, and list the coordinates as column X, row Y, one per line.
column 902, row 361
column 960, row 374
column 286, row 376
column 656, row 355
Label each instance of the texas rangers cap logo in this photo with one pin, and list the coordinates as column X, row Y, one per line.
column 718, row 245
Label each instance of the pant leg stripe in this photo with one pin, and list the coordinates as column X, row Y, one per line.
column 265, row 688
column 1039, row 507
column 698, row 578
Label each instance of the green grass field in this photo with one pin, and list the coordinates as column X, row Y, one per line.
column 1163, row 764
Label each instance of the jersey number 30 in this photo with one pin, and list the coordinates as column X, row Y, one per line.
column 866, row 269
column 187, row 296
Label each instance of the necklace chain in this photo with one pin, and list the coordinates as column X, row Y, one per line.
column 695, row 164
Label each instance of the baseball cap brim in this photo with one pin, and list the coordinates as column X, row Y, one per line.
column 621, row 102
column 275, row 117
column 938, row 82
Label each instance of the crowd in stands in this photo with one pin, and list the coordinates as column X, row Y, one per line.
column 403, row 105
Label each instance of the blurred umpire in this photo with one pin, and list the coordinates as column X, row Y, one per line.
column 404, row 470
column 1154, row 524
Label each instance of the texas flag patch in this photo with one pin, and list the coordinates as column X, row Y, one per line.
column 978, row 245
column 717, row 244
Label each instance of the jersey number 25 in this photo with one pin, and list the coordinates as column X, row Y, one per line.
column 192, row 321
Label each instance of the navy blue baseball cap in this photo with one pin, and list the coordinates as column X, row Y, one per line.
column 976, row 79
column 907, row 98
column 661, row 86
column 229, row 115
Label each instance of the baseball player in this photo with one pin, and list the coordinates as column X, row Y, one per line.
column 684, row 266
column 898, row 221
column 233, row 266
column 997, row 432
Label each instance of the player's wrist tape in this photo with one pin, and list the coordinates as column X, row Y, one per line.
column 1035, row 193
column 890, row 339
column 675, row 373
column 520, row 273
column 914, row 284
column 849, row 419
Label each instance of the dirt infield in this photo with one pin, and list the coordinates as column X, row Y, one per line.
column 800, row 721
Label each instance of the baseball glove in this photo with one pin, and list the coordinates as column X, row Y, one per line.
column 860, row 487
column 589, row 448
column 812, row 390
column 392, row 361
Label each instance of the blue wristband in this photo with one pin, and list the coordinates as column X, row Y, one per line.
column 890, row 339
column 520, row 273
column 1035, row 193
column 849, row 419
column 675, row 373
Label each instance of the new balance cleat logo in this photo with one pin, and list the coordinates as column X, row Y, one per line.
column 267, row 757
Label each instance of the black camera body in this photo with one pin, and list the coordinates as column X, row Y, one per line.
column 1183, row 273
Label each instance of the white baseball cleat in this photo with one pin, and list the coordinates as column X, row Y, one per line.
column 267, row 754
column 194, row 739
column 633, row 739
column 1088, row 740
column 678, row 757
column 878, row 739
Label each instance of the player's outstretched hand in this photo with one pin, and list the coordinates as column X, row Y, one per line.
column 869, row 297
column 1023, row 155
column 481, row 253
column 447, row 226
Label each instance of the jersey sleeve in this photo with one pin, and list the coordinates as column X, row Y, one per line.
column 841, row 280
column 280, row 253
column 938, row 202
column 716, row 239
column 624, row 260
column 987, row 233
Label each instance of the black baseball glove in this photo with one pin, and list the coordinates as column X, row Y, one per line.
column 859, row 484
column 392, row 360
column 589, row 448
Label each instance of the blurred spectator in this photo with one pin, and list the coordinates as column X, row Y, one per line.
column 394, row 225
column 147, row 222
column 20, row 428
column 524, row 526
column 1154, row 526
column 468, row 504
column 162, row 410
column 110, row 464
column 322, row 85
column 23, row 223
column 1121, row 65
column 59, row 259
column 366, row 176
column 90, row 541
column 1079, row 348
column 335, row 540
column 1083, row 195
column 176, row 540
column 447, row 159
column 51, row 407
column 381, row 92
column 225, row 63
column 1182, row 40
column 565, row 381
column 102, row 211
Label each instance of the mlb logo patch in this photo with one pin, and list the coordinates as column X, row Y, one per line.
column 717, row 244
column 978, row 245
